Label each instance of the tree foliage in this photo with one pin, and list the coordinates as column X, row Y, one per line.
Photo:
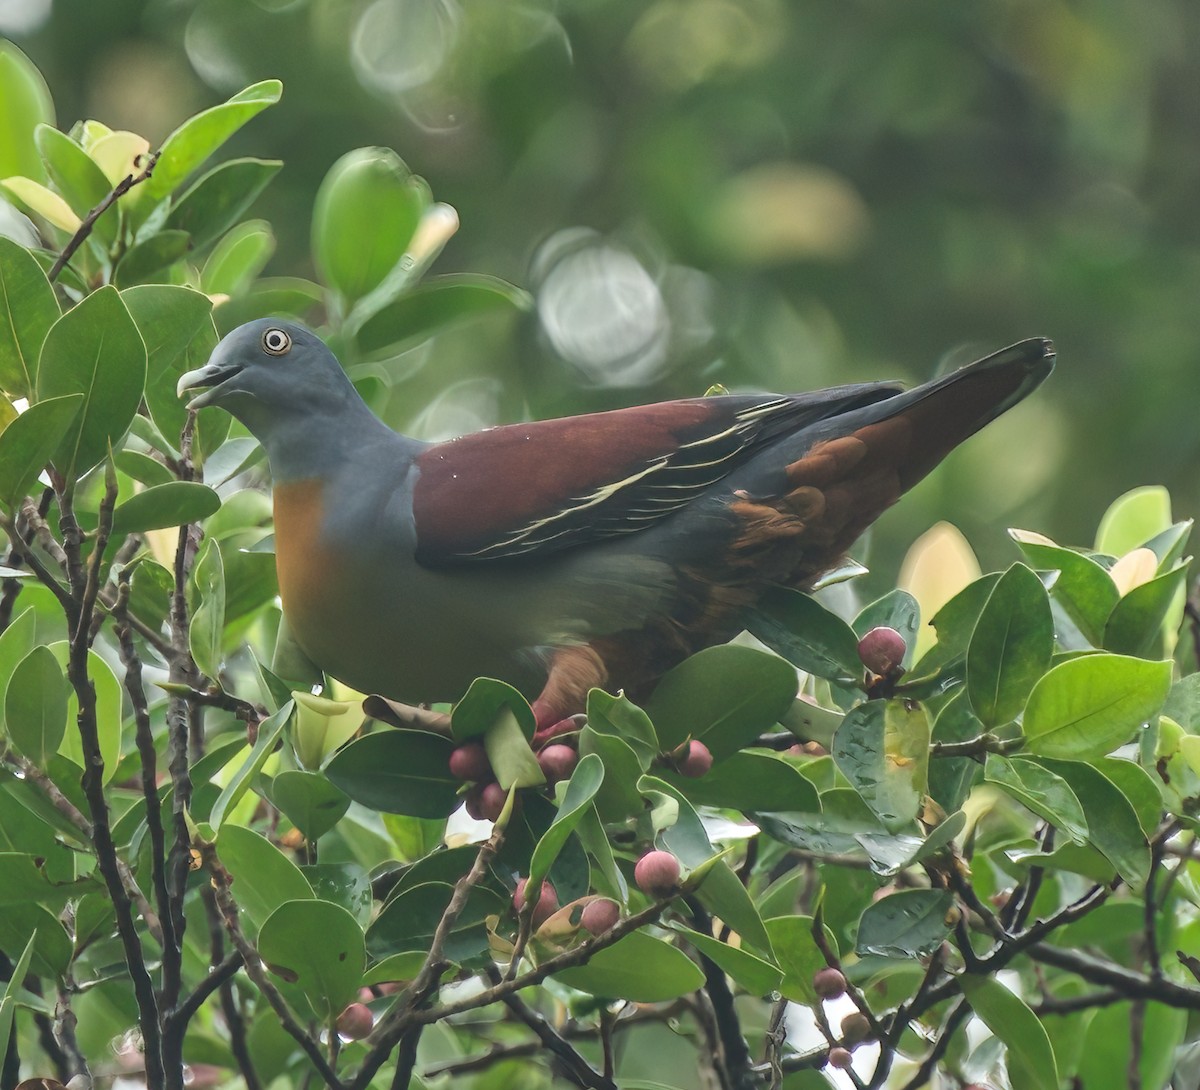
column 205, row 867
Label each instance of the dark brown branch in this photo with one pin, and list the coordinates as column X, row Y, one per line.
column 89, row 221
column 956, row 1017
column 217, row 698
column 219, row 974
column 1050, row 1005
column 976, row 747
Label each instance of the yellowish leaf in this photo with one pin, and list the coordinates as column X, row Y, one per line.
column 939, row 564
column 44, row 202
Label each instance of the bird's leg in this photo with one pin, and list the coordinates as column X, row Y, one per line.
column 573, row 672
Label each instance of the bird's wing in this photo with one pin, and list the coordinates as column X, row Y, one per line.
column 527, row 490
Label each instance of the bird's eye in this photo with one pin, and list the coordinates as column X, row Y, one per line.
column 276, row 342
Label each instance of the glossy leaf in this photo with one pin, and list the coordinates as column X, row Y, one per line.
column 1010, row 648
column 95, row 350
column 808, row 635
column 264, row 877
column 798, row 955
column 76, row 176
column 27, row 311
column 345, row 884
column 1044, row 792
column 269, row 732
column 366, row 213
column 475, row 713
column 513, row 761
column 617, row 716
column 173, row 504
column 1086, row 707
column 217, row 199
column 398, row 772
column 200, row 135
column 28, row 443
column 410, row 918
column 882, row 748
column 755, row 975
column 1108, row 1041
column 1083, row 588
column 897, row 610
column 907, row 924
column 724, row 696
column 309, row 801
column 35, row 706
column 207, row 631
column 238, row 258
column 580, row 791
column 1133, row 519
column 618, row 797
column 1135, row 626
column 638, row 968
column 149, row 260
column 749, row 781
column 1031, row 1061
column 27, row 104
column 436, row 305
column 109, row 694
column 319, row 947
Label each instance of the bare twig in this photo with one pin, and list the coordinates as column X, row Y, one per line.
column 89, row 221
column 976, row 747
column 956, row 1017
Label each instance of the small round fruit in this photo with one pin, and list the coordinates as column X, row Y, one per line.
column 696, row 762
column 829, row 983
column 657, row 873
column 600, row 916
column 492, row 800
column 882, row 650
column 840, row 1059
column 557, row 762
column 546, row 906
column 473, row 801
column 470, row 762
column 855, row 1028
column 356, row 1022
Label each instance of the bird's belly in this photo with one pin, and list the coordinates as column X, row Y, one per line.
column 381, row 625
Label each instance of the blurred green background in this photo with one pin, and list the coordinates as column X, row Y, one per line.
column 769, row 194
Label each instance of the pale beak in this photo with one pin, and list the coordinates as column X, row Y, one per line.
column 211, row 375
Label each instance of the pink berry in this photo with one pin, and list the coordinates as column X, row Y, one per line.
column 546, row 906
column 356, row 1022
column 882, row 650
column 492, row 800
column 829, row 983
column 470, row 762
column 840, row 1058
column 696, row 762
column 657, row 873
column 600, row 916
column 557, row 762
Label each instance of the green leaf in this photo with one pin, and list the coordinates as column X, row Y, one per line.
column 149, row 259
column 882, row 748
column 398, row 772
column 366, row 212
column 309, row 801
column 217, row 199
column 1010, row 648
column 756, row 976
column 76, row 176
column 28, row 442
column 51, row 946
column 908, row 924
column 95, row 350
column 761, row 782
column 1031, row 1061
column 264, row 878
column 1136, row 784
column 798, row 955
column 1083, row 588
column 513, row 761
column 1113, row 825
column 1048, row 795
column 269, row 731
column 723, row 696
column 35, row 706
column 1133, row 519
column 1105, row 1057
column 410, row 918
column 109, row 694
column 1087, row 706
column 207, row 631
column 618, row 717
column 27, row 104
column 436, row 305
column 319, row 947
column 24, row 879
column 199, row 136
column 897, row 610
column 618, row 797
column 16, row 641
column 345, row 884
column 475, row 713
column 639, row 968
column 27, row 311
column 238, row 258
column 808, row 635
column 580, row 791
column 951, row 778
column 1136, row 624
column 173, row 504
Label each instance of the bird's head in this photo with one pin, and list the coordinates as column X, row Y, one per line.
column 267, row 371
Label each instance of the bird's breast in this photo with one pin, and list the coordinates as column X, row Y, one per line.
column 304, row 561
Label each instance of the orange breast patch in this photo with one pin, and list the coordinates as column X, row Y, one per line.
column 303, row 561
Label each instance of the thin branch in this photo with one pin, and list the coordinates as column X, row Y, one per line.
column 1050, row 1005
column 221, row 881
column 776, row 1036
column 976, row 747
column 223, row 971
column 217, row 698
column 956, row 1017
column 89, row 221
